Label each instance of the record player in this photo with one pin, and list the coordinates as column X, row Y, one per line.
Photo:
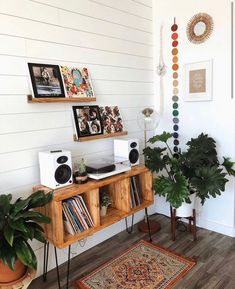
column 107, row 167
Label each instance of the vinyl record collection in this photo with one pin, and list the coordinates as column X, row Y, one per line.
column 136, row 196
column 76, row 215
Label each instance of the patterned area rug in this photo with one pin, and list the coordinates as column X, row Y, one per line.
column 143, row 266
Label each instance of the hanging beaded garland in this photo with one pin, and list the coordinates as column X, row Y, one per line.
column 175, row 84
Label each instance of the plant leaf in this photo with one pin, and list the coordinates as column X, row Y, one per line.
column 23, row 251
column 209, row 181
column 9, row 234
column 37, row 217
column 161, row 137
column 155, row 160
column 228, row 166
column 39, row 199
column 175, row 190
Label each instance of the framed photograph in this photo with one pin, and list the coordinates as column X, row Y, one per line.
column 87, row 120
column 198, row 81
column 46, row 80
column 77, row 82
column 111, row 119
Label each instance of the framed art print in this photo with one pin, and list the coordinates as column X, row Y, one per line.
column 111, row 119
column 87, row 120
column 46, row 80
column 198, row 81
column 77, row 82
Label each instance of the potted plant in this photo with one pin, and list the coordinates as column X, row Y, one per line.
column 81, row 174
column 105, row 201
column 195, row 171
column 19, row 223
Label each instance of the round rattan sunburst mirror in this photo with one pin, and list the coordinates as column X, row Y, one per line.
column 199, row 28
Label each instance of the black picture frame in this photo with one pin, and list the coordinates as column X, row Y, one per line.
column 46, row 80
column 87, row 120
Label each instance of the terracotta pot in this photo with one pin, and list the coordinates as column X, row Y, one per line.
column 8, row 276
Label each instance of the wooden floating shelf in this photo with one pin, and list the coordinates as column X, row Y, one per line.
column 60, row 99
column 99, row 136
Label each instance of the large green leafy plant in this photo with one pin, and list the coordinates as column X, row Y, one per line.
column 19, row 223
column 195, row 170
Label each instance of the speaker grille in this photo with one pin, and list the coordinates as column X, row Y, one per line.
column 63, row 174
column 133, row 156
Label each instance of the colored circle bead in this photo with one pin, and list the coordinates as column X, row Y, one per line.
column 175, row 59
column 175, row 127
column 175, row 98
column 175, row 43
column 174, row 51
column 175, row 112
column 175, row 75
column 175, row 66
column 174, row 36
column 176, row 156
column 175, row 105
column 175, row 149
column 175, row 83
column 176, row 142
column 175, row 135
column 175, row 90
column 175, row 120
column 174, row 27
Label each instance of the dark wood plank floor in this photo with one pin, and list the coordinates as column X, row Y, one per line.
column 214, row 253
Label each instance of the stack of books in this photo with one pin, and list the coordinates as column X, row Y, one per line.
column 136, row 196
column 76, row 215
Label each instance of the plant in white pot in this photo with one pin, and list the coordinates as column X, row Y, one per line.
column 105, row 201
column 197, row 171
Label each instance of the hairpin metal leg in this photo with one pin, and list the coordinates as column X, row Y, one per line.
column 45, row 260
column 147, row 218
column 57, row 268
column 129, row 230
column 68, row 267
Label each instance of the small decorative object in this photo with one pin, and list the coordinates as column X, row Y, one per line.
column 105, row 201
column 46, row 80
column 111, row 119
column 80, row 175
column 198, row 81
column 18, row 226
column 87, row 120
column 199, row 28
column 197, row 170
column 77, row 82
column 175, row 85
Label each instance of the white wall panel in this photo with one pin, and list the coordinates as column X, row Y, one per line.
column 40, row 31
column 112, row 38
column 61, row 53
column 92, row 9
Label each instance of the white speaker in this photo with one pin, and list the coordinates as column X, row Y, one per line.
column 55, row 168
column 127, row 149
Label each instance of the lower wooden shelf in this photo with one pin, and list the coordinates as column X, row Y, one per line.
column 118, row 187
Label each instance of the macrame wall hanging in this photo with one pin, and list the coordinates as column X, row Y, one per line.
column 175, row 84
column 161, row 71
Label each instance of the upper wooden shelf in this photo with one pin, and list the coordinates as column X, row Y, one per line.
column 60, row 99
column 99, row 136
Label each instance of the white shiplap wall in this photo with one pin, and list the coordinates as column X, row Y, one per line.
column 112, row 38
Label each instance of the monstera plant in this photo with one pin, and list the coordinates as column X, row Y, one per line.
column 19, row 223
column 197, row 170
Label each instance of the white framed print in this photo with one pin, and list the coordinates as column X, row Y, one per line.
column 198, row 81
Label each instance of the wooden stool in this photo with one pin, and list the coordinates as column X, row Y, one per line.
column 191, row 219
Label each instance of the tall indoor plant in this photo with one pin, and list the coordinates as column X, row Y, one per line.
column 197, row 170
column 19, row 223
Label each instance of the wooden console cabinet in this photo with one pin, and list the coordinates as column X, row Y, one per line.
column 118, row 187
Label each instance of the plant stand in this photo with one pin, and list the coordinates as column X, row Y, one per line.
column 192, row 227
column 22, row 283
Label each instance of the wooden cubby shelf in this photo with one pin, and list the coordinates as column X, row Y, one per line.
column 99, row 136
column 31, row 99
column 117, row 186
